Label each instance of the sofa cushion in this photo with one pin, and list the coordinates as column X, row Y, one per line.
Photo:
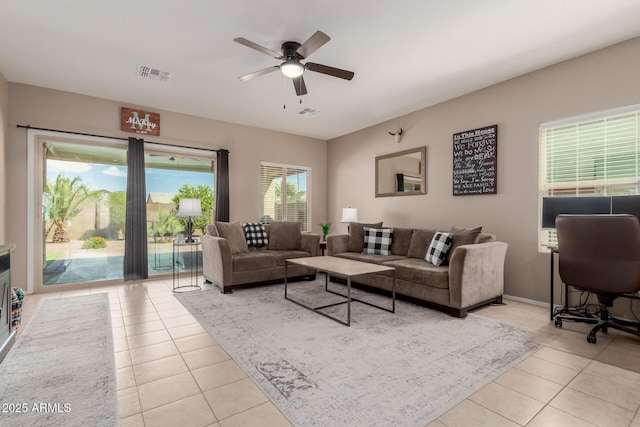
column 356, row 235
column 421, row 272
column 281, row 255
column 233, row 232
column 285, row 235
column 255, row 234
column 253, row 261
column 401, row 241
column 439, row 248
column 377, row 241
column 463, row 236
column 211, row 230
column 374, row 259
column 484, row 238
column 420, row 241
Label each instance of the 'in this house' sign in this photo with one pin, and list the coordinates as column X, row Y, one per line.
column 138, row 121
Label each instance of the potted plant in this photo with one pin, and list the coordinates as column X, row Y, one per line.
column 325, row 230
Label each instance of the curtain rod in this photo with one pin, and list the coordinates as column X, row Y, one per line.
column 113, row 137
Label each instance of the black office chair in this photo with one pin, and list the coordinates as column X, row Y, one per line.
column 600, row 254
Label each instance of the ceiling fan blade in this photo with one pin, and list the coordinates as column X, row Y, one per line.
column 258, row 73
column 298, row 83
column 257, row 47
column 315, row 42
column 331, row 71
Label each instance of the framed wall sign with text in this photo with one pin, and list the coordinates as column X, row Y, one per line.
column 475, row 161
column 138, row 121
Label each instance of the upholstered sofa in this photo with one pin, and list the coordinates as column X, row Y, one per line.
column 229, row 262
column 472, row 274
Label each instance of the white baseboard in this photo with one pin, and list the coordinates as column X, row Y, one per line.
column 526, row 300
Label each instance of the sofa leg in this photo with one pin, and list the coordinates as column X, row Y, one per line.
column 498, row 301
column 457, row 312
column 207, row 281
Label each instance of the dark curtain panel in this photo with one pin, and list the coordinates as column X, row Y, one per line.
column 135, row 248
column 222, row 186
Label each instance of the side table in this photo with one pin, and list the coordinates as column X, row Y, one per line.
column 323, row 246
column 180, row 249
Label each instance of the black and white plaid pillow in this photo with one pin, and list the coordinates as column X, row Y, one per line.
column 377, row 241
column 439, row 248
column 255, row 233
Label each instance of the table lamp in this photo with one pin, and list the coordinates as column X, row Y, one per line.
column 189, row 208
column 349, row 215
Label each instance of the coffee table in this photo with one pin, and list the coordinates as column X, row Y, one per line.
column 345, row 269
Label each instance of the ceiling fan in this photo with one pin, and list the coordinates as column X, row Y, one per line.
column 292, row 54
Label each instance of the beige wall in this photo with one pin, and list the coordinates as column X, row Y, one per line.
column 605, row 79
column 46, row 108
column 4, row 118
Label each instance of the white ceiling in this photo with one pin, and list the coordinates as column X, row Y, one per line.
column 406, row 54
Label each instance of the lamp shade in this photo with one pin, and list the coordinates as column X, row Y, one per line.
column 189, row 207
column 349, row 215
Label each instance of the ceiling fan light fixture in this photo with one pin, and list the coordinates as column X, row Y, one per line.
column 292, row 68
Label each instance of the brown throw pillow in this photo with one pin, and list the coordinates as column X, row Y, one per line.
column 285, row 235
column 463, row 236
column 234, row 233
column 212, row 230
column 420, row 241
column 356, row 235
column 401, row 241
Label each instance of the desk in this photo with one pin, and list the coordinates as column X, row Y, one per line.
column 553, row 250
column 183, row 248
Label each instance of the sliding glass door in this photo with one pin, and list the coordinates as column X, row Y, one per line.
column 84, row 205
column 170, row 178
column 83, row 216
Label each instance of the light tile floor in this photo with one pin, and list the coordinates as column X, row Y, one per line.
column 171, row 372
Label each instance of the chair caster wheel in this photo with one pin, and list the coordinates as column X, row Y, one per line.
column 558, row 322
column 591, row 338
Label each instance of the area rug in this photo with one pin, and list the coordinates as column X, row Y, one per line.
column 402, row 369
column 61, row 372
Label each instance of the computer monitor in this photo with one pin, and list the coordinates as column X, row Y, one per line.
column 554, row 206
column 626, row 205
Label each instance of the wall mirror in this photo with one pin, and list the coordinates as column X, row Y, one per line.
column 402, row 173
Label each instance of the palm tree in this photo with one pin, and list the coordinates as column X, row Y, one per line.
column 166, row 224
column 66, row 195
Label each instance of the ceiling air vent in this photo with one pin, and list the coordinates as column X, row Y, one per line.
column 153, row 73
column 308, row 112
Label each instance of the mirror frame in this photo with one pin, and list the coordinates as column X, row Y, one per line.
column 423, row 172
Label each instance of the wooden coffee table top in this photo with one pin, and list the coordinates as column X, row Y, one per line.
column 340, row 266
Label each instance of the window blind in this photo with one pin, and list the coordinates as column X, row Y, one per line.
column 594, row 156
column 284, row 193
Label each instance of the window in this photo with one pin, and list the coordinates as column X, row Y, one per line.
column 595, row 155
column 284, row 193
